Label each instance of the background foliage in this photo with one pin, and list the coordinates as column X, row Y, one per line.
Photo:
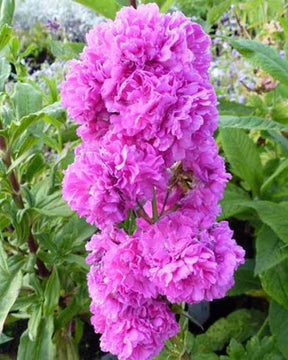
column 44, row 305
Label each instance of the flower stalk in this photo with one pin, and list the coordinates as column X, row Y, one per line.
column 17, row 197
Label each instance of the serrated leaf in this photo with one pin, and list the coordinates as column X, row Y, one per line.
column 236, row 350
column 9, row 290
column 249, row 123
column 278, row 319
column 271, row 214
column 243, row 157
column 274, row 215
column 107, row 8
column 231, row 202
column 281, row 140
column 240, row 325
column 283, row 166
column 270, row 251
column 263, row 56
column 256, row 349
column 275, row 283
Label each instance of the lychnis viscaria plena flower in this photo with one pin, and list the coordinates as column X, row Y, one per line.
column 148, row 164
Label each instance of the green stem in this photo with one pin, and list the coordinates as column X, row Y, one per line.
column 154, row 206
column 262, row 327
column 165, row 202
column 142, row 213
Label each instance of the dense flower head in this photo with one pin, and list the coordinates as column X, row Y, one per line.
column 188, row 263
column 135, row 332
column 133, row 321
column 149, row 175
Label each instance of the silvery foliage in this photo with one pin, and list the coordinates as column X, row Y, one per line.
column 74, row 18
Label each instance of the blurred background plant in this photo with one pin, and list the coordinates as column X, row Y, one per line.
column 44, row 306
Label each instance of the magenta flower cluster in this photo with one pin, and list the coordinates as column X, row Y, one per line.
column 147, row 112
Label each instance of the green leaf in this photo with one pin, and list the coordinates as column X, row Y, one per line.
column 3, row 259
column 107, row 8
column 35, row 165
column 65, row 315
column 240, row 325
column 270, row 251
column 77, row 259
column 231, row 202
column 271, row 214
column 5, row 35
column 243, row 157
column 66, row 50
column 27, row 143
column 124, row 2
column 9, row 290
column 6, row 12
column 57, row 207
column 256, row 349
column 25, row 157
column 5, row 70
column 26, row 100
column 283, row 166
column 4, row 339
column 281, row 140
column 278, row 318
column 34, row 322
column 47, row 240
column 66, row 348
column 249, row 123
column 236, row 350
column 51, row 293
column 164, row 5
column 53, row 114
column 69, row 134
column 42, row 348
column 275, row 283
column 245, row 279
column 217, row 11
column 233, row 108
column 262, row 56
column 279, row 112
column 274, row 215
